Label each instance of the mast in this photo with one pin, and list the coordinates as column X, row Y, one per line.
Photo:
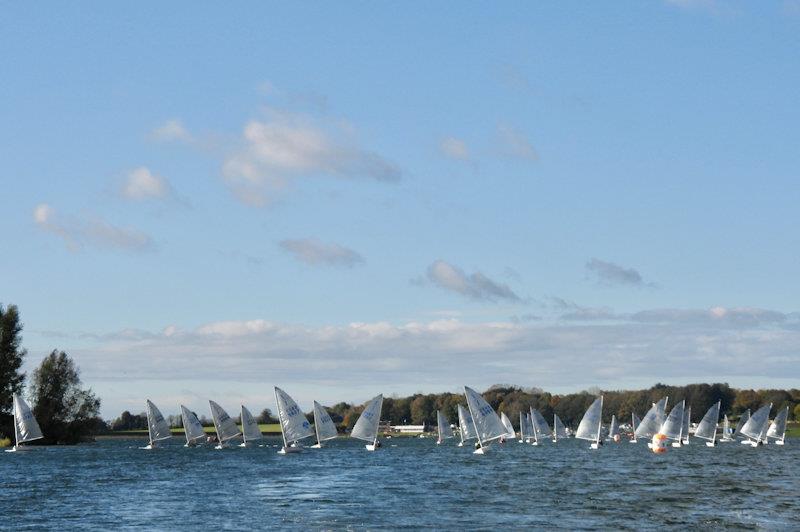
column 600, row 421
column 633, row 426
column 477, row 432
column 555, row 429
column 714, row 438
column 16, row 425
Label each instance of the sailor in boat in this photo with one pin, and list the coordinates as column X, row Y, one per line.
column 378, row 444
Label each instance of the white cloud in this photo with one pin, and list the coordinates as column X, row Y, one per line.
column 515, row 143
column 286, row 146
column 143, row 184
column 362, row 358
column 315, row 252
column 475, row 285
column 454, row 148
column 171, row 131
column 96, row 232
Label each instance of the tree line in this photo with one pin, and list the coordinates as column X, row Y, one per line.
column 66, row 412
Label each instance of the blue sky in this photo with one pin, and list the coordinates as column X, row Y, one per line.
column 203, row 201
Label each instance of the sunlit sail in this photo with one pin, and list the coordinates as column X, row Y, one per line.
column 755, row 428
column 250, row 430
column 592, row 423
column 487, row 423
column 510, row 433
column 672, row 428
column 294, row 424
column 777, row 430
column 707, row 428
column 366, row 428
column 157, row 426
column 26, row 428
column 652, row 420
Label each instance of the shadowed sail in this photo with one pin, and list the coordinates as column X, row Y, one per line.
column 540, row 426
column 726, row 429
column 777, row 430
column 443, row 426
column 707, row 428
column 250, row 430
column 366, row 428
column 294, row 425
column 652, row 420
column 687, row 421
column 591, row 423
column 613, row 429
column 26, row 428
column 191, row 426
column 323, row 425
column 559, row 430
column 223, row 424
column 524, row 431
column 488, row 425
column 157, row 426
column 465, row 425
column 673, row 426
column 742, row 420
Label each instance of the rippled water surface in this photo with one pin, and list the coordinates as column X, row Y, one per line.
column 407, row 483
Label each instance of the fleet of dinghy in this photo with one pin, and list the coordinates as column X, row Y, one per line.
column 224, row 425
column 26, row 428
column 366, row 427
column 191, row 427
column 157, row 427
column 250, row 430
column 323, row 426
column 591, row 424
column 488, row 426
column 443, row 428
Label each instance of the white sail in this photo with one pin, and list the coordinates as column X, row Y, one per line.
column 487, row 423
column 465, row 425
column 635, row 422
column 250, row 430
column 559, row 430
column 26, row 428
column 523, row 426
column 777, row 429
column 223, row 423
column 726, row 428
column 443, row 426
column 707, row 428
column 366, row 428
column 755, row 426
column 540, row 426
column 510, row 433
column 652, row 420
column 191, row 426
column 613, row 429
column 673, row 426
column 294, row 424
column 157, row 426
column 591, row 423
column 687, row 421
column 742, row 420
column 323, row 424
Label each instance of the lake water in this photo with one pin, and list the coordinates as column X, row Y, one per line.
column 407, row 483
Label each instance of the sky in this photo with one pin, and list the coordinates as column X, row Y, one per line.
column 202, row 201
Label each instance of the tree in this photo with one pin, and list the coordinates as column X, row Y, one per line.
column 11, row 355
column 66, row 412
column 797, row 412
column 128, row 421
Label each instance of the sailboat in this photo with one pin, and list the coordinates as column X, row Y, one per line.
column 559, row 430
column 592, row 423
column 635, row 422
column 756, row 427
column 672, row 427
column 726, row 429
column 224, row 425
column 294, row 425
column 157, row 426
column 613, row 429
column 443, row 427
column 191, row 427
column 523, row 427
column 707, row 428
column 742, row 420
column 323, row 426
column 466, row 427
column 652, row 420
column 26, row 428
column 366, row 428
column 487, row 423
column 250, row 430
column 541, row 430
column 510, row 433
column 777, row 430
column 687, row 422
column 529, row 420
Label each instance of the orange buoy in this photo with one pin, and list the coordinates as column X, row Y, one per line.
column 659, row 443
